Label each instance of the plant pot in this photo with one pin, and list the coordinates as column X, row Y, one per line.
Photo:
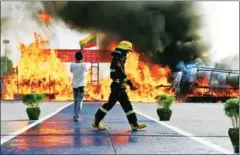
column 234, row 137
column 164, row 114
column 33, row 113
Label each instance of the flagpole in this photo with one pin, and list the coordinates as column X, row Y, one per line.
column 97, row 40
column 98, row 65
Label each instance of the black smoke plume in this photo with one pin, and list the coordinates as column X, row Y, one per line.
column 163, row 32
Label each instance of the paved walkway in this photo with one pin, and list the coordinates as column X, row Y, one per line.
column 60, row 135
column 14, row 116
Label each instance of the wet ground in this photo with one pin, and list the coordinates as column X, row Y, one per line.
column 14, row 116
column 60, row 135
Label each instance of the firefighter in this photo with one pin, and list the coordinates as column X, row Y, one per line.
column 118, row 93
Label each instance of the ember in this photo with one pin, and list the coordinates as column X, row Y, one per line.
column 44, row 17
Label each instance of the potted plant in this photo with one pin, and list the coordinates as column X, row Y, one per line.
column 164, row 106
column 231, row 108
column 32, row 101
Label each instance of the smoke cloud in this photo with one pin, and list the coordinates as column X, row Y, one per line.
column 230, row 62
column 163, row 32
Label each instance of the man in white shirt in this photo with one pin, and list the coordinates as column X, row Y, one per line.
column 78, row 84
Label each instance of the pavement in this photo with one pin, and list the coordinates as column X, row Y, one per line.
column 207, row 121
column 14, row 116
column 193, row 129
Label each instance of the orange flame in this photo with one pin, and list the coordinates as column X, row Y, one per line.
column 44, row 17
column 41, row 71
column 202, row 89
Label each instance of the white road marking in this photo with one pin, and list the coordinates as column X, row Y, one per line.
column 12, row 135
column 189, row 135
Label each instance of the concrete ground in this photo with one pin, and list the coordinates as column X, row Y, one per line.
column 204, row 121
column 14, row 116
column 207, row 120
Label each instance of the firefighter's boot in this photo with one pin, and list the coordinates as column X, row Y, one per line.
column 138, row 126
column 99, row 126
column 101, row 113
column 132, row 119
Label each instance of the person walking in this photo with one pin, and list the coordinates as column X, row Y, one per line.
column 78, row 70
column 118, row 89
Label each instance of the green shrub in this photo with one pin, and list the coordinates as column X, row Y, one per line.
column 165, row 101
column 231, row 108
column 32, row 100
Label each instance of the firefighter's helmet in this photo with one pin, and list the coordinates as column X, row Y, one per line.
column 125, row 45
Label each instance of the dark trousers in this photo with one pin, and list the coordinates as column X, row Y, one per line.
column 118, row 93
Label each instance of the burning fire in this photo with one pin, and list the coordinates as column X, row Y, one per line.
column 40, row 71
column 203, row 85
